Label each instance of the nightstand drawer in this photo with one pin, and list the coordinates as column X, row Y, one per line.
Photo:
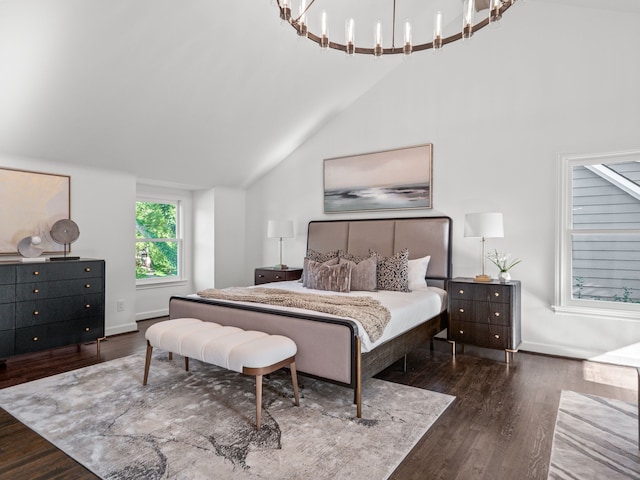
column 270, row 274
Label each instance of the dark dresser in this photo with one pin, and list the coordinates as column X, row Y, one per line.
column 484, row 314
column 50, row 304
column 272, row 274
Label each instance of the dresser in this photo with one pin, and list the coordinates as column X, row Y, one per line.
column 50, row 304
column 484, row 314
column 273, row 274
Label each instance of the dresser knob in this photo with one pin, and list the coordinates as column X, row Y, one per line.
column 36, row 273
column 460, row 292
column 461, row 310
column 260, row 275
column 497, row 336
column 497, row 314
column 35, row 290
column 461, row 332
column 87, row 306
column 87, row 286
column 86, row 329
column 35, row 339
column 88, row 269
column 36, row 312
column 496, row 294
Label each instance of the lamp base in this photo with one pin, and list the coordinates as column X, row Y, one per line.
column 482, row 278
column 281, row 266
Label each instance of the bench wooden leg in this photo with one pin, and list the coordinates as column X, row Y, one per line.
column 258, row 400
column 147, row 363
column 294, row 380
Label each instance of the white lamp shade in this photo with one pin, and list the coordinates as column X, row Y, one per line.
column 280, row 229
column 486, row 225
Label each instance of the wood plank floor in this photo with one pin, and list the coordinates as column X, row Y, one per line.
column 499, row 427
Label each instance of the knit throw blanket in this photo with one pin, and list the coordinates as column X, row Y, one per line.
column 372, row 315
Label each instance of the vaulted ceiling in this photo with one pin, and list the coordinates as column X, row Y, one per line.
column 166, row 88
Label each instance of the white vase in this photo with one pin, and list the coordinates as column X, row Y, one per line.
column 504, row 276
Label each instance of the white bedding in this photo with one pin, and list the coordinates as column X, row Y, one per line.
column 407, row 309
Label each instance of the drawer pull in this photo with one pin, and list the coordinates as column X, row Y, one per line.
column 497, row 336
column 86, row 329
column 461, row 332
column 260, row 275
column 88, row 269
column 461, row 310
column 87, row 286
column 461, row 292
column 35, row 290
column 36, row 312
column 278, row 277
column 87, row 306
column 497, row 314
column 496, row 294
column 35, row 339
column 36, row 273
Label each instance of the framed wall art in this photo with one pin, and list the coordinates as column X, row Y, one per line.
column 31, row 203
column 387, row 180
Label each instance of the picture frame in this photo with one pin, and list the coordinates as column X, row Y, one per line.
column 33, row 202
column 396, row 179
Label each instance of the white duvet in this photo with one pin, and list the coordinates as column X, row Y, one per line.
column 407, row 309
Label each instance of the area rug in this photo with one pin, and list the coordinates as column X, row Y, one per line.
column 201, row 424
column 595, row 438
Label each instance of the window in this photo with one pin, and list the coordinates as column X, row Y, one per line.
column 599, row 235
column 158, row 241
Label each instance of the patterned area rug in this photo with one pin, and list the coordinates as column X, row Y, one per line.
column 595, row 438
column 201, row 424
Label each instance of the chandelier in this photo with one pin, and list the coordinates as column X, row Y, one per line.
column 469, row 25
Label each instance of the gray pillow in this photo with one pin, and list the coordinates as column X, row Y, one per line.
column 305, row 268
column 330, row 258
column 321, row 276
column 363, row 274
column 393, row 271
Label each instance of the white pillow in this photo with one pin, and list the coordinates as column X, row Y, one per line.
column 417, row 272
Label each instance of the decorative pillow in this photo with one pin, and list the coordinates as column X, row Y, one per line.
column 321, row 257
column 393, row 272
column 417, row 272
column 336, row 278
column 305, row 267
column 363, row 274
column 351, row 257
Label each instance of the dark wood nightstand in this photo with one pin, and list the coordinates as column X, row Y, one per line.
column 484, row 314
column 272, row 274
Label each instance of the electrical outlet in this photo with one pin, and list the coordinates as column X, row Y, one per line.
column 120, row 305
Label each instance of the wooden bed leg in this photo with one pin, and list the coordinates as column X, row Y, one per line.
column 147, row 363
column 170, row 355
column 186, row 364
column 258, row 400
column 358, row 391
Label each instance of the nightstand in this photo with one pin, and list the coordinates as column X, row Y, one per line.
column 484, row 314
column 272, row 274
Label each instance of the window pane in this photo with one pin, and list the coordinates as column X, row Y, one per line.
column 606, row 196
column 156, row 259
column 156, row 220
column 605, row 267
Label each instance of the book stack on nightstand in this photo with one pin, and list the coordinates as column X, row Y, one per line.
column 484, row 314
column 273, row 274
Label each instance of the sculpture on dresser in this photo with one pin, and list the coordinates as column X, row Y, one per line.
column 30, row 249
column 65, row 232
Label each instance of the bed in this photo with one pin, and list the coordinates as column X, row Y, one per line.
column 331, row 347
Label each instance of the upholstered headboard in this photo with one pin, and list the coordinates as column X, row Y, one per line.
column 421, row 235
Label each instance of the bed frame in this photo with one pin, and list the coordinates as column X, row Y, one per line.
column 329, row 348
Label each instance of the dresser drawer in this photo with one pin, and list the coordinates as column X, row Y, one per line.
column 461, row 310
column 59, row 271
column 7, row 275
column 41, row 337
column 63, row 288
column 6, row 343
column 7, row 316
column 7, row 293
column 40, row 312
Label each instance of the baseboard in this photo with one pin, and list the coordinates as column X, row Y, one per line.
column 152, row 314
column 126, row 328
column 559, row 350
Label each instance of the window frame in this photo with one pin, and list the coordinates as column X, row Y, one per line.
column 179, row 278
column 564, row 301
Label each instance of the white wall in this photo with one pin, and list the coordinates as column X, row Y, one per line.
column 499, row 110
column 103, row 206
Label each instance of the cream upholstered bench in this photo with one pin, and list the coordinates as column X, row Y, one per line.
column 245, row 351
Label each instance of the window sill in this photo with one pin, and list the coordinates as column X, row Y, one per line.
column 596, row 312
column 150, row 284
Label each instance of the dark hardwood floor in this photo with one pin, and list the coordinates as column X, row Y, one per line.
column 500, row 425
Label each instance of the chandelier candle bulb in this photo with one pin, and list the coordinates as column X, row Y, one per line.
column 285, row 11
column 437, row 32
column 350, row 35
column 407, row 48
column 467, row 28
column 324, row 37
column 377, row 49
column 303, row 31
column 495, row 15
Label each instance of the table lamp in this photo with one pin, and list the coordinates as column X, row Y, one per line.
column 280, row 229
column 483, row 225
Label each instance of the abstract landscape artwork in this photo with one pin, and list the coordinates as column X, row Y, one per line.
column 387, row 180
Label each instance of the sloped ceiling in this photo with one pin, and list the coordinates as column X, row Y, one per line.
column 192, row 93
